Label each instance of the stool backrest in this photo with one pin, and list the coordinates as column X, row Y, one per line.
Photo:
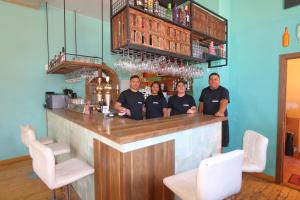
column 255, row 148
column 220, row 176
column 43, row 162
column 27, row 135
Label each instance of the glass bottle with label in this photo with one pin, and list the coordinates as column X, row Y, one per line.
column 140, row 4
column 187, row 15
column 155, row 6
column 169, row 11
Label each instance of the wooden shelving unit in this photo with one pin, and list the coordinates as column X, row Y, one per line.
column 66, row 67
column 129, row 23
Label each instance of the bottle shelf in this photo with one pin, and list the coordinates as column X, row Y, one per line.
column 131, row 32
column 66, row 67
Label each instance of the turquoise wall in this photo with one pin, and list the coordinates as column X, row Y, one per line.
column 23, row 80
column 256, row 29
column 23, row 54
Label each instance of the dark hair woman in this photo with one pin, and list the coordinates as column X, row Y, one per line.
column 156, row 104
column 181, row 103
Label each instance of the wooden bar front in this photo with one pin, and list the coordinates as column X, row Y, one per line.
column 134, row 175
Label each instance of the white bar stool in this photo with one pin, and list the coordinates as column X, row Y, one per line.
column 28, row 135
column 255, row 147
column 25, row 128
column 56, row 176
column 216, row 178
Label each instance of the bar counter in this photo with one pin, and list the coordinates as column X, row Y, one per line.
column 123, row 130
column 132, row 157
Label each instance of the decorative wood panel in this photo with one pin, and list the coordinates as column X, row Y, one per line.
column 119, row 27
column 133, row 175
column 206, row 23
column 153, row 32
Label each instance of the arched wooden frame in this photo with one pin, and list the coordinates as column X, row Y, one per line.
column 114, row 80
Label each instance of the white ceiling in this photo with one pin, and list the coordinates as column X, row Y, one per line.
column 90, row 8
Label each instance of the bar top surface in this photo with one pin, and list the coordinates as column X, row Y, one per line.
column 123, row 130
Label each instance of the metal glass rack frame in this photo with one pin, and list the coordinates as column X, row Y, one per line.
column 118, row 6
column 69, row 65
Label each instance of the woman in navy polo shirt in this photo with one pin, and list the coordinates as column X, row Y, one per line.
column 156, row 104
column 181, row 103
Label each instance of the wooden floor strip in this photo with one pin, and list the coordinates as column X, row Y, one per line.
column 17, row 183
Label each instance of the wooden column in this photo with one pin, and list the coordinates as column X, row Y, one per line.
column 135, row 175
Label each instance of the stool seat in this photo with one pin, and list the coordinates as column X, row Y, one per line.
column 249, row 167
column 56, row 175
column 255, row 147
column 216, row 178
column 28, row 135
column 70, row 171
column 183, row 184
column 59, row 148
column 46, row 140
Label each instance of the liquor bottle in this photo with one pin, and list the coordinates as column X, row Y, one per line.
column 212, row 49
column 169, row 11
column 143, row 38
column 222, row 54
column 63, row 55
column 146, row 5
column 150, row 6
column 181, row 16
column 187, row 15
column 286, row 38
column 150, row 39
column 155, row 6
column 175, row 13
column 140, row 4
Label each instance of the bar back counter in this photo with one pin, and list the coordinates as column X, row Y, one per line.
column 131, row 158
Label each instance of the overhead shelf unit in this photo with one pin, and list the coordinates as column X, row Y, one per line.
column 65, row 62
column 142, row 30
column 66, row 67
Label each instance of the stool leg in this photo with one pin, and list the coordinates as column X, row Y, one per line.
column 69, row 192
column 53, row 195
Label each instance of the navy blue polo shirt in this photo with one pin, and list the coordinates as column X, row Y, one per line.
column 154, row 106
column 134, row 102
column 180, row 105
column 211, row 99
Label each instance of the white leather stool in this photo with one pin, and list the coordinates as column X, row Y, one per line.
column 216, row 178
column 255, row 148
column 56, row 176
column 25, row 128
column 28, row 135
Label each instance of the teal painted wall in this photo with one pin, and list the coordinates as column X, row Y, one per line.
column 256, row 29
column 23, row 54
column 23, row 80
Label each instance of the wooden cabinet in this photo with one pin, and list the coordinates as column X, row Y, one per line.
column 134, row 175
column 206, row 23
column 140, row 30
column 151, row 32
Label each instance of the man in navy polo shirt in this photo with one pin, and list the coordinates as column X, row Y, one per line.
column 131, row 101
column 213, row 101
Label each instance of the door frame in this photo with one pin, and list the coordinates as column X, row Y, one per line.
column 281, row 119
